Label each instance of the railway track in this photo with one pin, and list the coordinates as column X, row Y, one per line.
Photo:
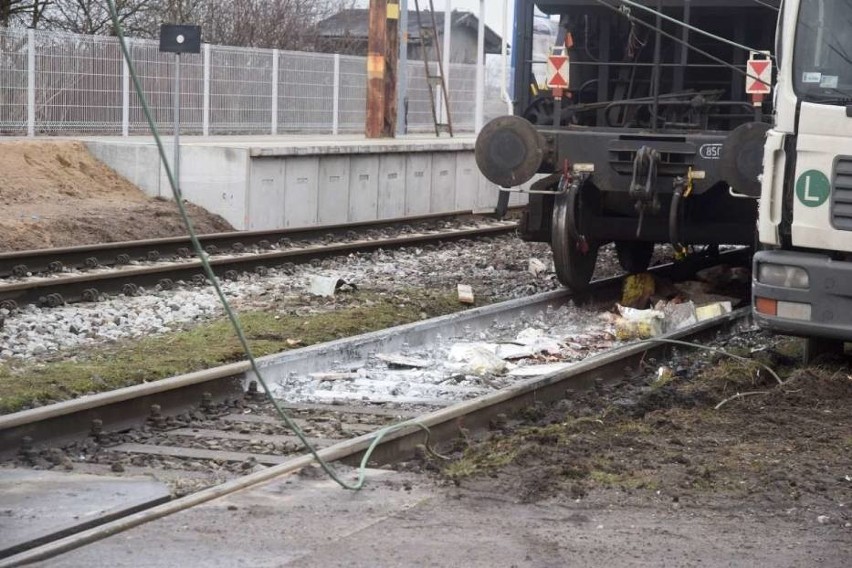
column 217, row 416
column 52, row 277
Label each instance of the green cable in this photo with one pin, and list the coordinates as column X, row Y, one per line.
column 235, row 323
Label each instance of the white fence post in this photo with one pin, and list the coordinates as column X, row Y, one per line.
column 274, row 92
column 125, row 94
column 31, row 82
column 335, row 106
column 480, row 70
column 205, row 105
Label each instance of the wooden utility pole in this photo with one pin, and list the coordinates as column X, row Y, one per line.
column 376, row 69
column 391, row 67
column 382, row 61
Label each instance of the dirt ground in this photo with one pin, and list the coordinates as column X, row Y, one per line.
column 54, row 194
column 658, row 442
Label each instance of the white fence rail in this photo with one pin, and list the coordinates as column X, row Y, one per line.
column 57, row 83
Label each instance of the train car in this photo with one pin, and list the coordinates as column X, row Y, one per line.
column 654, row 140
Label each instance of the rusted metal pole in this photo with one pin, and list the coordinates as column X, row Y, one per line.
column 391, row 68
column 376, row 49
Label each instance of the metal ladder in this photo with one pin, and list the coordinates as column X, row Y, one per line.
column 433, row 81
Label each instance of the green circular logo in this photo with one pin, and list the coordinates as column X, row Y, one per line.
column 813, row 188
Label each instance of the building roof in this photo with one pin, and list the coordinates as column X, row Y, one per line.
column 355, row 24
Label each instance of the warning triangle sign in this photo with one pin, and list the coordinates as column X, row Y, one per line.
column 758, row 66
column 759, row 79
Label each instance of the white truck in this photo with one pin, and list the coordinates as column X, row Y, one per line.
column 803, row 276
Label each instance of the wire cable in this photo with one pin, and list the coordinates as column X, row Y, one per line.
column 688, row 26
column 232, row 316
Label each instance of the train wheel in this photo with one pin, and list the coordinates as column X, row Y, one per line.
column 634, row 256
column 574, row 262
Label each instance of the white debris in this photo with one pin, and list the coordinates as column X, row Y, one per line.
column 638, row 324
column 511, row 351
column 679, row 315
column 823, row 519
column 465, row 294
column 476, row 359
column 536, row 267
column 324, row 285
column 713, row 310
column 537, row 340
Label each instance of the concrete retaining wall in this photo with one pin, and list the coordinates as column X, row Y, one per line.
column 270, row 183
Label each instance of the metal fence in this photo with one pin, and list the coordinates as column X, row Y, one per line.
column 58, row 83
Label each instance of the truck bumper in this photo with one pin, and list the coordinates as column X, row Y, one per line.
column 824, row 309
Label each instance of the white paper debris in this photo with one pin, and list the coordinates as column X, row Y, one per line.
column 713, row 310
column 323, row 285
column 476, row 359
column 465, row 294
column 536, row 267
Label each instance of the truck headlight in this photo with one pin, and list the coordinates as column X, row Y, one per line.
column 782, row 275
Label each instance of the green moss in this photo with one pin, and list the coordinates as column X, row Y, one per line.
column 479, row 461
column 25, row 384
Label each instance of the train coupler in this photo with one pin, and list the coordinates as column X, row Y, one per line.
column 643, row 184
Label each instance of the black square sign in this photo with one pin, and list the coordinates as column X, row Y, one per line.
column 181, row 38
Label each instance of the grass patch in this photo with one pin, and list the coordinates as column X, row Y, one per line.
column 25, row 384
column 477, row 461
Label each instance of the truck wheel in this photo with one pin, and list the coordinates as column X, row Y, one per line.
column 634, row 256
column 816, row 347
column 574, row 266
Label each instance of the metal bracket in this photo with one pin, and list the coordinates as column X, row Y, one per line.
column 642, row 183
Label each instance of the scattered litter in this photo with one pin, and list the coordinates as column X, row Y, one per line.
column 511, row 351
column 664, row 375
column 537, row 370
column 638, row 324
column 536, row 339
column 293, row 342
column 396, row 360
column 678, row 315
column 536, row 267
column 823, row 519
column 465, row 294
column 637, row 290
column 476, row 359
column 713, row 310
column 326, row 286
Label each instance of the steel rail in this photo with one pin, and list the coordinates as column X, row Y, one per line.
column 444, row 424
column 53, row 291
column 18, row 263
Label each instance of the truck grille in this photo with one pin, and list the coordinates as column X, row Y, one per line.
column 841, row 194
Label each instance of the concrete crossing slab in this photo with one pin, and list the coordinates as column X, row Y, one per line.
column 40, row 506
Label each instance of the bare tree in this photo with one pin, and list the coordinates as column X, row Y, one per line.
column 93, row 17
column 283, row 24
column 26, row 12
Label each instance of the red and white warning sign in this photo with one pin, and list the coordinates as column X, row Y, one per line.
column 759, row 78
column 557, row 68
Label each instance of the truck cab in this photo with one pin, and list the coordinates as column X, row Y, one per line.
column 803, row 277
